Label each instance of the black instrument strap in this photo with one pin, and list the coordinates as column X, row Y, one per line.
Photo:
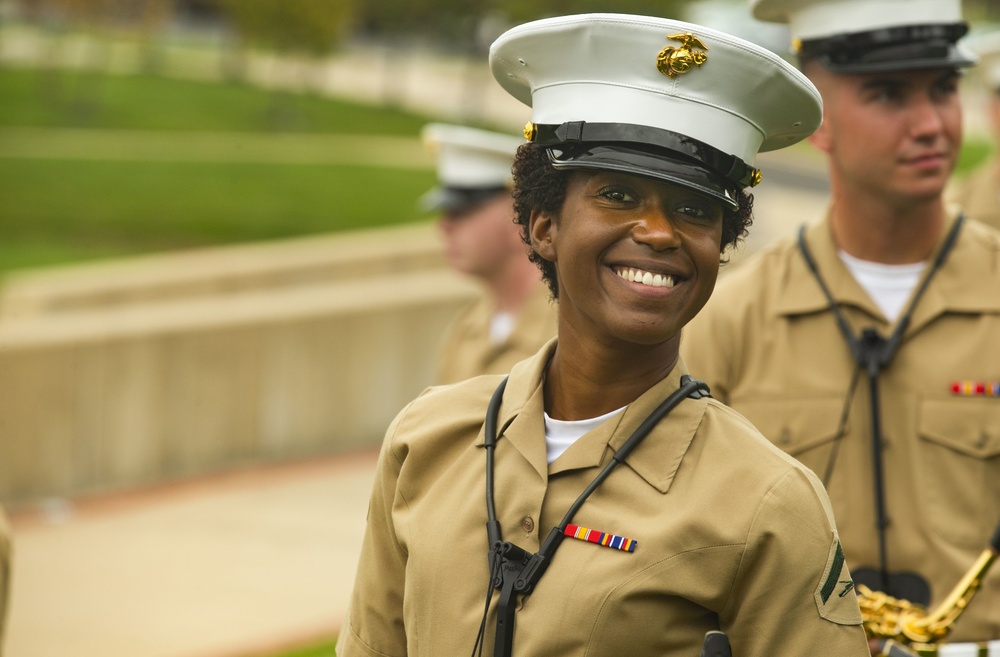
column 873, row 353
column 514, row 570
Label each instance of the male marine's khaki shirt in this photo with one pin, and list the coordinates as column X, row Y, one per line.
column 5, row 556
column 731, row 533
column 768, row 346
column 468, row 351
column 978, row 193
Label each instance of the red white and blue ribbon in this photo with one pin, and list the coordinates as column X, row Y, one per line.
column 976, row 388
column 601, row 538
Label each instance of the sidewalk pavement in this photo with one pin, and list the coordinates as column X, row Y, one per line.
column 233, row 565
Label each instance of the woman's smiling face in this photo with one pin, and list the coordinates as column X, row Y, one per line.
column 636, row 258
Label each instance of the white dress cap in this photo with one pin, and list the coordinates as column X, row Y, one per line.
column 872, row 35
column 472, row 165
column 673, row 89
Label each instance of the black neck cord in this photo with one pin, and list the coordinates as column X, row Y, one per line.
column 873, row 353
column 514, row 570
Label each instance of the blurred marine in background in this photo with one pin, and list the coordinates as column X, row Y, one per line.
column 5, row 551
column 979, row 192
column 514, row 316
column 868, row 347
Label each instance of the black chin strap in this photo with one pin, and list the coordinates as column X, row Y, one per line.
column 873, row 353
column 514, row 570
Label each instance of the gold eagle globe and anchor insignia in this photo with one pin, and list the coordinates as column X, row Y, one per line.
column 676, row 61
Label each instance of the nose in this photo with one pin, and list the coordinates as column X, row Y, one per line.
column 656, row 230
column 926, row 121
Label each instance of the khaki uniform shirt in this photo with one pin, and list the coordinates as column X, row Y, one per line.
column 468, row 351
column 5, row 554
column 768, row 345
column 731, row 533
column 979, row 193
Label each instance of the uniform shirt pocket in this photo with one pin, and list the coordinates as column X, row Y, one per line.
column 959, row 465
column 804, row 428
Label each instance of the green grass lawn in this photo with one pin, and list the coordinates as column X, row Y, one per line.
column 322, row 650
column 239, row 164
column 60, row 207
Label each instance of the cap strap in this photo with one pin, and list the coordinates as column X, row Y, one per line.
column 729, row 166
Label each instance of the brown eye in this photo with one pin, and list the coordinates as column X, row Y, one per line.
column 617, row 195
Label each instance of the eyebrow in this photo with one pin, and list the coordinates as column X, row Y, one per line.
column 898, row 82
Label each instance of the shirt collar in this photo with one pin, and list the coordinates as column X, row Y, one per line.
column 956, row 287
column 656, row 459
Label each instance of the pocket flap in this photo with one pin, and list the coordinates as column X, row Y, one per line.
column 794, row 425
column 969, row 426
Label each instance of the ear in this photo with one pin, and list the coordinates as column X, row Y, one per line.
column 542, row 229
column 822, row 139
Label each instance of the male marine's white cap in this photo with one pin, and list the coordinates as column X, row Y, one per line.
column 868, row 36
column 472, row 165
column 655, row 97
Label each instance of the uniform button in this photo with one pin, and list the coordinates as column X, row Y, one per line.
column 527, row 524
column 785, row 437
column 983, row 440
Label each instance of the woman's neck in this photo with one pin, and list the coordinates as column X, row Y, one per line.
column 585, row 383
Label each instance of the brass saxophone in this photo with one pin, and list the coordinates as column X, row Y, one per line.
column 894, row 620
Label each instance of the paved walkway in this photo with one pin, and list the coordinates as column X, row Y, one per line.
column 245, row 563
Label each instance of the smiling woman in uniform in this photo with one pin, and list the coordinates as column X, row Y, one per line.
column 597, row 501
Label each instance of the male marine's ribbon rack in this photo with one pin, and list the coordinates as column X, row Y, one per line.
column 976, row 388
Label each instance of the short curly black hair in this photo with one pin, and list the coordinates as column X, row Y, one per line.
column 540, row 186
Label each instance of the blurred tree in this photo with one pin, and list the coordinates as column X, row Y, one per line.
column 79, row 96
column 452, row 18
column 312, row 27
column 299, row 30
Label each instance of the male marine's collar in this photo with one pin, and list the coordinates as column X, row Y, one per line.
column 957, row 286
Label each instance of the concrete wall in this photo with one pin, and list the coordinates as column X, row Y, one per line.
column 131, row 372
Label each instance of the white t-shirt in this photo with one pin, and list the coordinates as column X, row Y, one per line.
column 560, row 434
column 889, row 286
column 501, row 326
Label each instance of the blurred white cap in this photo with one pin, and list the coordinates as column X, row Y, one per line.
column 859, row 36
column 472, row 165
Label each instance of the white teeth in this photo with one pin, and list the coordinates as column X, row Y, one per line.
column 646, row 278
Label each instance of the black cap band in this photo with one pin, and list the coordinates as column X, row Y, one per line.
column 458, row 199
column 898, row 48
column 648, row 139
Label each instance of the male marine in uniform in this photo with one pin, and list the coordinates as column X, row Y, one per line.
column 979, row 192
column 514, row 316
column 870, row 350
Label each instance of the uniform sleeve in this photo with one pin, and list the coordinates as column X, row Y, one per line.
column 374, row 625
column 793, row 594
column 707, row 349
column 5, row 568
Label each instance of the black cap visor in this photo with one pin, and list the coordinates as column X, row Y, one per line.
column 454, row 200
column 652, row 163
column 905, row 48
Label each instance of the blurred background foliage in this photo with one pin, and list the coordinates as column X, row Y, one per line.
column 84, row 174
